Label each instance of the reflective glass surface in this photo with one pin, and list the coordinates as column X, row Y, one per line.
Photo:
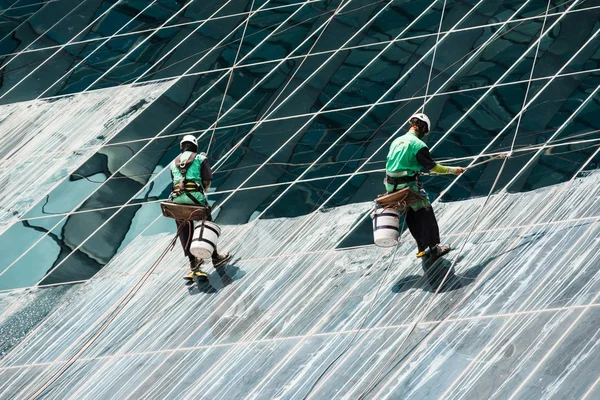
column 296, row 103
column 310, row 101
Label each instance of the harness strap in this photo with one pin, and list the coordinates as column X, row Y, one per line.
column 400, row 180
column 184, row 185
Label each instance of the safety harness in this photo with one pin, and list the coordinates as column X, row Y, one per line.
column 400, row 180
column 185, row 186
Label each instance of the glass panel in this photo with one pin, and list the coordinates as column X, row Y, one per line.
column 566, row 40
column 8, row 22
column 538, row 8
column 34, row 260
column 206, row 56
column 494, row 60
column 560, row 161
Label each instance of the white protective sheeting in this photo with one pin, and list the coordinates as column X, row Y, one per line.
column 42, row 142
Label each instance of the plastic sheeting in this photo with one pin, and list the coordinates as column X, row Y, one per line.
column 517, row 315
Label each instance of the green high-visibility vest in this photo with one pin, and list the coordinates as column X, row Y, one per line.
column 402, row 161
column 402, row 157
column 193, row 174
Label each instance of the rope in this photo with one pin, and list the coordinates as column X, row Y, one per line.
column 270, row 110
column 433, row 56
column 382, row 372
column 235, row 62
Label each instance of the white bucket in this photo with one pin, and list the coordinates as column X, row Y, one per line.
column 385, row 227
column 205, row 239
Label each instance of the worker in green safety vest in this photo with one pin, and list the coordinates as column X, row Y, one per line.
column 409, row 155
column 192, row 176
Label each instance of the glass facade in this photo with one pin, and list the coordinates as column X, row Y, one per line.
column 296, row 103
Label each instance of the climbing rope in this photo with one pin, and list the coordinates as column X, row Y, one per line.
column 269, row 110
column 230, row 78
column 437, row 39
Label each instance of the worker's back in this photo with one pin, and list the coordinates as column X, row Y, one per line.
column 193, row 173
column 402, row 157
column 189, row 172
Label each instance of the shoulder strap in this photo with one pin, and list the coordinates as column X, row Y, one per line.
column 184, row 166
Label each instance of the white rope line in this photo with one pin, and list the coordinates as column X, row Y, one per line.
column 274, row 108
column 185, row 24
column 437, row 40
column 152, row 71
column 97, row 48
column 555, row 134
column 318, row 334
column 230, row 78
column 550, row 351
column 473, row 56
column 531, row 148
column 358, row 107
column 587, row 394
column 529, row 103
column 98, row 18
column 12, row 32
column 12, row 7
column 331, row 100
column 524, row 106
column 112, row 216
column 366, row 246
column 460, row 251
column 504, row 75
column 119, row 169
column 324, row 112
column 327, row 51
column 137, row 46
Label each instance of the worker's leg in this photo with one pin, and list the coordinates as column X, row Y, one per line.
column 414, row 226
column 430, row 229
column 186, row 232
column 431, row 233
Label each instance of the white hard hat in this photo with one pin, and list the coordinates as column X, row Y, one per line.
column 422, row 117
column 189, row 139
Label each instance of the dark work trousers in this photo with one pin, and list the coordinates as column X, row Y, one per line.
column 423, row 226
column 186, row 233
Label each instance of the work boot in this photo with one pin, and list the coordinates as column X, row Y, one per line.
column 220, row 258
column 422, row 253
column 438, row 251
column 195, row 269
column 196, row 274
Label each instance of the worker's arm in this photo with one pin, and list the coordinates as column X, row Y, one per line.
column 206, row 174
column 424, row 158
